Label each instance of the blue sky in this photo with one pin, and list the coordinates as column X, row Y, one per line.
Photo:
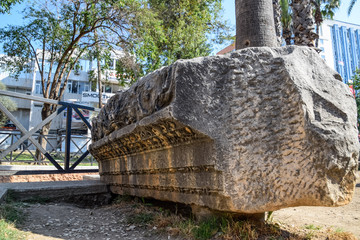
column 340, row 14
column 229, row 14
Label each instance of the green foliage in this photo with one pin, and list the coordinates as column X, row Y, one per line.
column 355, row 82
column 54, row 38
column 11, row 212
column 328, row 7
column 312, row 227
column 269, row 216
column 155, row 32
column 5, row 5
column 178, row 29
column 206, row 229
column 8, row 103
column 285, row 14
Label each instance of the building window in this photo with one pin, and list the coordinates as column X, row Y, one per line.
column 106, row 88
column 77, row 87
column 69, row 86
column 38, row 88
column 83, row 86
column 86, row 87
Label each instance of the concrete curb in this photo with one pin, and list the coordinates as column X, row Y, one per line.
column 28, row 190
column 35, row 167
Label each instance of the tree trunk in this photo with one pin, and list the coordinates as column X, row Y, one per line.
column 277, row 21
column 99, row 81
column 287, row 36
column 318, row 21
column 303, row 23
column 46, row 111
column 98, row 68
column 255, row 24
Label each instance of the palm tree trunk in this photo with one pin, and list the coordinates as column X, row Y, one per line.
column 255, row 24
column 303, row 23
column 277, row 20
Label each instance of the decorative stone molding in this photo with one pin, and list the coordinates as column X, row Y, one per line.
column 255, row 130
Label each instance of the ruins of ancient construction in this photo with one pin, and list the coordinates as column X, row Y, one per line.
column 255, row 130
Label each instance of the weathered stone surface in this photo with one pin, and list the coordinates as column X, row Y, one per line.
column 256, row 130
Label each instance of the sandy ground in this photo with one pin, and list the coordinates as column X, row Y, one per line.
column 345, row 218
column 66, row 221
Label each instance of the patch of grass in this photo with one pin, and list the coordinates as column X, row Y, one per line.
column 239, row 230
column 11, row 212
column 141, row 218
column 167, row 221
column 9, row 232
column 312, row 227
column 26, row 158
column 206, row 229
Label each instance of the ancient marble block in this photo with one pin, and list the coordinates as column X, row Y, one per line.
column 256, row 130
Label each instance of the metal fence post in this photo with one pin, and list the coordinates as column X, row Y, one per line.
column 11, row 143
column 68, row 139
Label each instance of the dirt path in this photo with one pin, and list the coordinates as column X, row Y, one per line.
column 64, row 221
column 345, row 218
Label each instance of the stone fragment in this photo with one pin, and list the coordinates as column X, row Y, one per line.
column 256, row 130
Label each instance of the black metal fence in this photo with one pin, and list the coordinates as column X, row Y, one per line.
column 63, row 148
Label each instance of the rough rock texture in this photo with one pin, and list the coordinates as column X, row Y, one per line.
column 256, row 130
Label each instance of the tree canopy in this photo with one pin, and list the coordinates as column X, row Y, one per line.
column 8, row 103
column 156, row 32
column 301, row 17
column 5, row 5
column 355, row 83
column 182, row 29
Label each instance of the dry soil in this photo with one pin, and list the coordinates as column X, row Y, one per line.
column 65, row 221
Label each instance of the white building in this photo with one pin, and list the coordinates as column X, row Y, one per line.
column 340, row 45
column 78, row 89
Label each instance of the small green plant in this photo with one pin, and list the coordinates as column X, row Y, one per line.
column 269, row 216
column 206, row 229
column 339, row 230
column 312, row 227
column 309, row 235
column 186, row 227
